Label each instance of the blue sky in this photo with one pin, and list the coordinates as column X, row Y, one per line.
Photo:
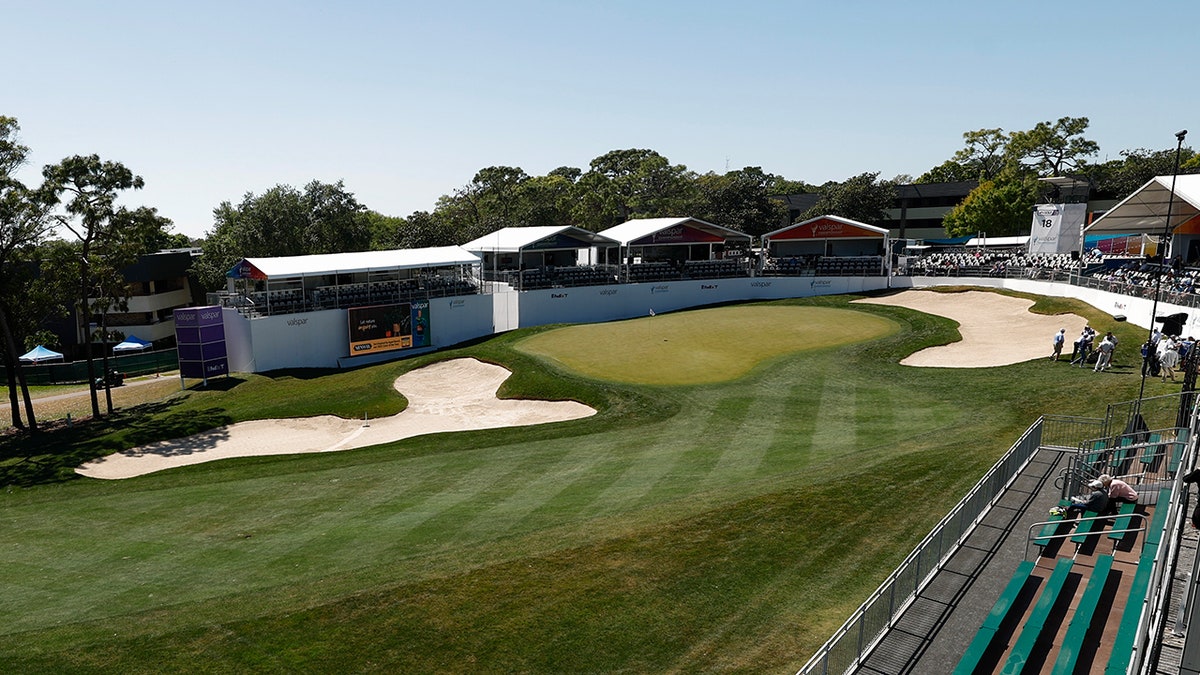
column 406, row 101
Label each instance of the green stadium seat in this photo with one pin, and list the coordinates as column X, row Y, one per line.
column 1032, row 630
column 991, row 624
column 1122, row 648
column 1086, row 527
column 1150, row 452
column 1122, row 522
column 1081, row 620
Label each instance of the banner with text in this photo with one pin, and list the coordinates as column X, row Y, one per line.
column 1057, row 228
column 383, row 328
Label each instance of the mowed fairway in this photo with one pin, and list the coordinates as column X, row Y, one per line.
column 725, row 526
column 701, row 346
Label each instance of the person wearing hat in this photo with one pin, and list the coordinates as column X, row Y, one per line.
column 1096, row 501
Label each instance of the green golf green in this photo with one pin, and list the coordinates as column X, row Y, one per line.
column 702, row 346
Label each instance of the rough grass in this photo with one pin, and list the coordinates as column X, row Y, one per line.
column 723, row 527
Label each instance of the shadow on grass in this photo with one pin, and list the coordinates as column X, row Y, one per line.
column 52, row 455
column 219, row 384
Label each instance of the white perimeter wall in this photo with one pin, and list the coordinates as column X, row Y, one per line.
column 590, row 304
column 322, row 339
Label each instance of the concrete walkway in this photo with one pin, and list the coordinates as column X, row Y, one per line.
column 925, row 639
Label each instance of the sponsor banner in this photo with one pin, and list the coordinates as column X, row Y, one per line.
column 1057, row 228
column 678, row 234
column 203, row 369
column 555, row 242
column 384, row 328
column 200, row 341
column 826, row 228
column 244, row 270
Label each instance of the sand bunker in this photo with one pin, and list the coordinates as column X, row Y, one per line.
column 455, row 395
column 997, row 330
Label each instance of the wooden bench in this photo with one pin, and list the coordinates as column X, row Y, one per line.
column 1122, row 648
column 991, row 624
column 1122, row 452
column 1051, row 528
column 1081, row 620
column 1122, row 522
column 1032, row 630
column 1086, row 527
column 1176, row 457
column 1151, row 452
column 1154, row 531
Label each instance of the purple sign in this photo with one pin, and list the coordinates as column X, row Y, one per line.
column 200, row 338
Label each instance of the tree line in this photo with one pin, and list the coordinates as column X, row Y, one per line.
column 64, row 243
column 641, row 183
column 63, row 247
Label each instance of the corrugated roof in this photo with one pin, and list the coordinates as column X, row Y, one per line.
column 1146, row 209
column 362, row 261
column 632, row 230
column 541, row 238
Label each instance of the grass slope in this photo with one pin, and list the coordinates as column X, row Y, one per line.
column 729, row 527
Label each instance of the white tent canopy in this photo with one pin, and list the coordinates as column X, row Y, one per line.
column 131, row 344
column 653, row 231
column 40, row 354
column 343, row 263
column 540, row 238
column 1145, row 211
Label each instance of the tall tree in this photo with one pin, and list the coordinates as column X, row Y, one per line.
column 546, row 200
column 91, row 187
column 23, row 224
column 740, row 200
column 498, row 190
column 1121, row 177
column 864, row 198
column 999, row 207
column 283, row 221
column 624, row 184
column 1053, row 148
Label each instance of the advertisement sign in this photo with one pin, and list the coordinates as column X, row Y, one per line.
column 1057, row 228
column 382, row 328
column 200, row 336
column 678, row 234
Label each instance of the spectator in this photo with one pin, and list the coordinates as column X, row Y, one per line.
column 1119, row 490
column 1096, row 501
column 1104, row 354
column 1083, row 347
column 1059, row 339
column 1168, row 357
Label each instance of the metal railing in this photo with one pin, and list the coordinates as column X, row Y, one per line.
column 1063, row 431
column 868, row 623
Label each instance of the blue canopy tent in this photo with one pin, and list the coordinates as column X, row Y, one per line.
column 131, row 344
column 40, row 354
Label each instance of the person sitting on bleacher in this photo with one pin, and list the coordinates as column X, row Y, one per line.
column 1118, row 490
column 1096, row 502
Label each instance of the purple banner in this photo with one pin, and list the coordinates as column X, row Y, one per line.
column 200, row 339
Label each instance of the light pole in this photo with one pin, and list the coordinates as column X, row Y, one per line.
column 1179, row 136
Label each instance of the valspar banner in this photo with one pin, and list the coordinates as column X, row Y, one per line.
column 386, row 327
column 1057, row 228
